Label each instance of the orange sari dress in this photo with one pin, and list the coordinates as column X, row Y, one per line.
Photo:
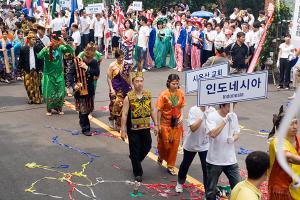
column 280, row 183
column 170, row 107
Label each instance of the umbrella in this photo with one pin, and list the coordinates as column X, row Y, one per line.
column 202, row 14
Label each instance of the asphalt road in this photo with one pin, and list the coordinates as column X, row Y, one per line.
column 27, row 135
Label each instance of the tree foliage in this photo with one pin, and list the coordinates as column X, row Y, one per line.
column 277, row 30
column 255, row 5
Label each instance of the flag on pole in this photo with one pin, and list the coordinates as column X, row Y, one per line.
column 74, row 7
column 53, row 10
column 28, row 4
column 31, row 10
column 41, row 3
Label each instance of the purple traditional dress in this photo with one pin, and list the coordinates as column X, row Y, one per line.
column 121, row 85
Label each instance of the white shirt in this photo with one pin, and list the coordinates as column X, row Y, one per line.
column 196, row 141
column 32, row 58
column 56, row 24
column 45, row 40
column 210, row 36
column 219, row 151
column 76, row 37
column 99, row 27
column 66, row 21
column 248, row 38
column 255, row 38
column 85, row 25
column 285, row 50
column 92, row 22
column 233, row 16
column 115, row 30
column 234, row 34
column 220, row 40
column 229, row 41
column 218, row 19
column 143, row 34
column 252, row 20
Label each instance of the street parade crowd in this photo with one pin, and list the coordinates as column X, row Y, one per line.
column 59, row 54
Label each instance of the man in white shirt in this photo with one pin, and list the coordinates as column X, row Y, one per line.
column 235, row 13
column 196, row 141
column 223, row 130
column 249, row 34
column 257, row 33
column 251, row 17
column 65, row 19
column 29, row 64
column 209, row 41
column 77, row 38
column 56, row 24
column 85, row 29
column 99, row 30
column 220, row 37
column 92, row 28
column 143, row 38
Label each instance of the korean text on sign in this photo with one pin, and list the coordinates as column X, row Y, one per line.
column 229, row 89
column 192, row 77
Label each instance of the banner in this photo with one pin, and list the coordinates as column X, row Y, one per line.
column 137, row 5
column 192, row 77
column 296, row 26
column 65, row 3
column 262, row 40
column 94, row 8
column 229, row 89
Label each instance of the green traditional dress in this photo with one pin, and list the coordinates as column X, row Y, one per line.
column 53, row 82
column 169, row 48
column 159, row 49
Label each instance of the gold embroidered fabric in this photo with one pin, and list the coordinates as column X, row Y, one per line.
column 140, row 110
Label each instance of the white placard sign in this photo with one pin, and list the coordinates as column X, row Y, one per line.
column 94, row 8
column 65, row 3
column 228, row 89
column 80, row 4
column 295, row 33
column 192, row 76
column 137, row 5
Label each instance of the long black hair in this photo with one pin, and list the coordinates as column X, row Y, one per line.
column 130, row 24
column 277, row 118
column 172, row 77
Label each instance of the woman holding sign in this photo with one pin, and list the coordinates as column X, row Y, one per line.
column 170, row 105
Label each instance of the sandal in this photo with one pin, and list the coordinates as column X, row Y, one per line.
column 171, row 171
column 159, row 162
column 61, row 113
column 48, row 113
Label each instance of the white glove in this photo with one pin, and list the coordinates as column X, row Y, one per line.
column 229, row 117
column 144, row 49
column 230, row 140
column 208, row 110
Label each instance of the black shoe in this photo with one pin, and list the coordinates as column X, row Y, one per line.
column 87, row 133
column 138, row 178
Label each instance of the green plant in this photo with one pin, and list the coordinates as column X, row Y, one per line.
column 277, row 30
